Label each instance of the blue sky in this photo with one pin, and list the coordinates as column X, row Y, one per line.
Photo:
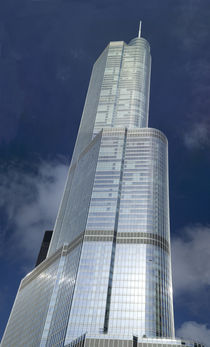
column 47, row 49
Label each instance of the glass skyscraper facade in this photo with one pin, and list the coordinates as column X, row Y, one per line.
column 107, row 279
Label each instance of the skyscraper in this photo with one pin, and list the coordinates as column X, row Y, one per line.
column 106, row 280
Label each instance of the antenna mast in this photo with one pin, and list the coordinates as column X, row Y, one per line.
column 139, row 35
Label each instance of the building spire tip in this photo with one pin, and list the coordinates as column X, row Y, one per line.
column 139, row 35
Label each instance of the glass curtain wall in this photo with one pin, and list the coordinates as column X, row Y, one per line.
column 108, row 269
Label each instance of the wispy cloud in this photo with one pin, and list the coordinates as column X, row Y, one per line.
column 30, row 202
column 198, row 131
column 191, row 32
column 64, row 71
column 192, row 21
column 198, row 136
column 190, row 259
column 195, row 331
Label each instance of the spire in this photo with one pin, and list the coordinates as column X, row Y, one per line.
column 139, row 35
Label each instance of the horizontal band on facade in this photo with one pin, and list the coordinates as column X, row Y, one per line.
column 63, row 251
column 91, row 144
column 126, row 234
column 141, row 132
column 99, row 236
column 84, row 341
column 144, row 235
column 68, row 248
column 128, row 241
column 147, row 132
column 126, row 238
column 113, row 131
column 40, row 268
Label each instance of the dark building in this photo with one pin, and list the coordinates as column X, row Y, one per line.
column 44, row 247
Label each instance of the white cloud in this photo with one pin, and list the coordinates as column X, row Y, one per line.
column 190, row 259
column 191, row 32
column 195, row 331
column 78, row 53
column 197, row 137
column 30, row 201
column 192, row 25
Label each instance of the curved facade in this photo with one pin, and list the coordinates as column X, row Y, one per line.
column 124, row 283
